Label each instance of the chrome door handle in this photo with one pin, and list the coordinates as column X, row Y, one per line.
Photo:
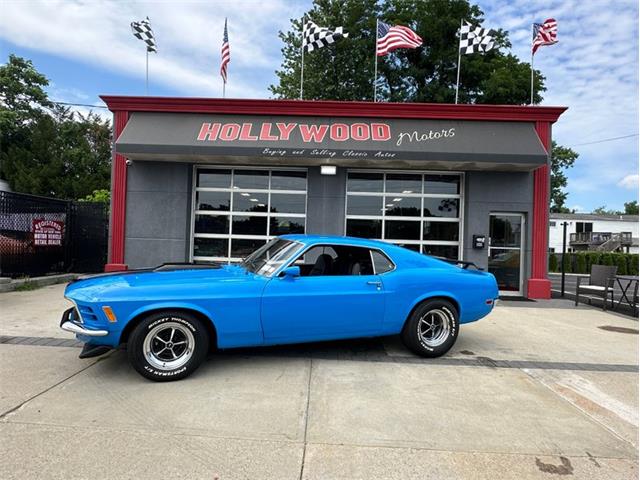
column 377, row 284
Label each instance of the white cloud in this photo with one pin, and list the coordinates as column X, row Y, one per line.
column 629, row 181
column 188, row 34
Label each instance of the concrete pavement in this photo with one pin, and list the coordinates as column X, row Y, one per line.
column 527, row 392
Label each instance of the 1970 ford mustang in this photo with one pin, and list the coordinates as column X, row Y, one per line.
column 296, row 288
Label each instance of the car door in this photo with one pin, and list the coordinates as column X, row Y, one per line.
column 318, row 307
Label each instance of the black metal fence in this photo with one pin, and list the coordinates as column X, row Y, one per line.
column 40, row 235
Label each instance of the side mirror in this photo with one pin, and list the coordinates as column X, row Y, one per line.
column 291, row 272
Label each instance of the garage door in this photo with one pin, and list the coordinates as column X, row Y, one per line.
column 236, row 210
column 420, row 211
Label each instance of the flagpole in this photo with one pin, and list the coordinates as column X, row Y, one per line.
column 459, row 57
column 302, row 53
column 532, row 36
column 146, row 84
column 224, row 84
column 375, row 68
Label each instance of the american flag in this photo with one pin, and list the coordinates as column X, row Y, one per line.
column 544, row 34
column 396, row 36
column 226, row 55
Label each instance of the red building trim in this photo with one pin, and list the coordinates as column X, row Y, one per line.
column 538, row 285
column 118, row 199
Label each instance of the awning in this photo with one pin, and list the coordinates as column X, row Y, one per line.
column 353, row 142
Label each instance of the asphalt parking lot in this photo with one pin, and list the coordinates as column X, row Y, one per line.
column 535, row 390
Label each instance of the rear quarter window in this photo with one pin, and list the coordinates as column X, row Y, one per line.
column 381, row 263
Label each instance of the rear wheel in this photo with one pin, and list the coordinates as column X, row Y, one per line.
column 432, row 328
column 168, row 346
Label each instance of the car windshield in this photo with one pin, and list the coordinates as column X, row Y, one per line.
column 270, row 256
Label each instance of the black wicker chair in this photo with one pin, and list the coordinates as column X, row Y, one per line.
column 600, row 284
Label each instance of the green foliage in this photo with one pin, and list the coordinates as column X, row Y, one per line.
column 562, row 158
column 593, row 258
column 581, row 264
column 567, row 263
column 103, row 195
column 632, row 264
column 631, row 208
column 46, row 149
column 606, row 259
column 620, row 260
column 345, row 71
column 553, row 262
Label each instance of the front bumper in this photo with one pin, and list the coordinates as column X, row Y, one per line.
column 70, row 325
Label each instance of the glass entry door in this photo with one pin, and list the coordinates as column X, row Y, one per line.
column 506, row 237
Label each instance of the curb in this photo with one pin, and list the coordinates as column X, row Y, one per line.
column 11, row 285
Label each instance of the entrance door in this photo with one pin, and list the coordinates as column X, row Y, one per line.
column 506, row 237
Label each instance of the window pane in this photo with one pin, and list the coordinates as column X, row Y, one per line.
column 244, row 248
column 401, row 230
column 402, row 206
column 409, row 246
column 214, row 178
column 212, row 224
column 284, row 225
column 364, row 182
column 505, row 230
column 381, row 262
column 364, row 228
column 210, row 247
column 213, row 201
column 441, row 207
column 445, row 251
column 441, row 231
column 360, row 205
column 288, row 180
column 251, row 179
column 249, row 225
column 435, row 184
column 250, row 202
column 404, row 183
column 288, row 202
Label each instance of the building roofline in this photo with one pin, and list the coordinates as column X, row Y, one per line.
column 593, row 216
column 325, row 108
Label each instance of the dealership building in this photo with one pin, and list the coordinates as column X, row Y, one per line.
column 213, row 179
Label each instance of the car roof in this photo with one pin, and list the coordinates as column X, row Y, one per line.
column 335, row 239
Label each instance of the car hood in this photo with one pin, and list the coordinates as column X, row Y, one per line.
column 90, row 288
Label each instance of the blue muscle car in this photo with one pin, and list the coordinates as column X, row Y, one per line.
column 296, row 288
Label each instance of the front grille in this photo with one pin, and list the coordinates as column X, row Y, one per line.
column 87, row 314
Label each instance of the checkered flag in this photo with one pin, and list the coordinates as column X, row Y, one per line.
column 142, row 30
column 475, row 39
column 314, row 36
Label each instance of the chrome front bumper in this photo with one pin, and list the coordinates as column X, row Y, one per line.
column 70, row 326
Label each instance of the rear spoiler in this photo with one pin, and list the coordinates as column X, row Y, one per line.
column 461, row 263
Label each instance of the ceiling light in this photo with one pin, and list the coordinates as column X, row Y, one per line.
column 253, row 199
column 327, row 169
column 397, row 199
column 389, row 205
column 407, row 191
column 244, row 194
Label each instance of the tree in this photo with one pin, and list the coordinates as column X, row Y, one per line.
column 561, row 159
column 46, row 149
column 345, row 70
column 631, row 208
column 603, row 210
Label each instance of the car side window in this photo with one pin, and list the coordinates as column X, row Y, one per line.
column 381, row 262
column 335, row 260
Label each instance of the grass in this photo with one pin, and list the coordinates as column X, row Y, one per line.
column 27, row 286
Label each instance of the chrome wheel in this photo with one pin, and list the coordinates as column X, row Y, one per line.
column 168, row 346
column 434, row 327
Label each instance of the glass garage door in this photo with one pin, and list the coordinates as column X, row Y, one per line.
column 238, row 210
column 420, row 211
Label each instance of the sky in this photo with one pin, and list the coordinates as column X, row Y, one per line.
column 86, row 48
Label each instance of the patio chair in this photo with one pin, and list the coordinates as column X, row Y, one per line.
column 600, row 284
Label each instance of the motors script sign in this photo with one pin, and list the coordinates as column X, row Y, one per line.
column 47, row 233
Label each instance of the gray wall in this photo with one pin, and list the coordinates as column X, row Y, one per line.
column 489, row 192
column 158, row 213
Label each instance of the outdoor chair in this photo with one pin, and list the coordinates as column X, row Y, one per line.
column 600, row 284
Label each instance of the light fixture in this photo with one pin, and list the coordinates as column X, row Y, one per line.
column 328, row 169
column 109, row 314
column 407, row 191
column 244, row 194
column 389, row 205
column 253, row 199
column 397, row 199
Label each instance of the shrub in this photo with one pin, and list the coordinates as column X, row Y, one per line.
column 592, row 259
column 553, row 262
column 567, row 262
column 632, row 267
column 581, row 263
column 620, row 259
column 606, row 259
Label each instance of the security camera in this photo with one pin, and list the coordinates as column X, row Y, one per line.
column 128, row 162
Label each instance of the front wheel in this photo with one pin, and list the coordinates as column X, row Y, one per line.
column 168, row 346
column 432, row 328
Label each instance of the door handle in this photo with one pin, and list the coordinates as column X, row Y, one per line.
column 377, row 284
